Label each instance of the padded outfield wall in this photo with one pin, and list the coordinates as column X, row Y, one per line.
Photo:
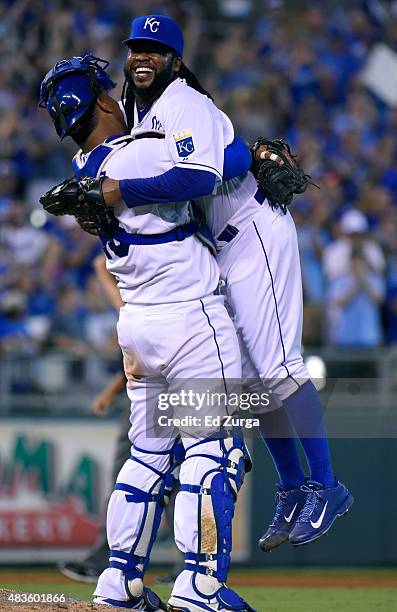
column 55, row 476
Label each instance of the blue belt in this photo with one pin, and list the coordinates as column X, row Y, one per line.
column 175, row 235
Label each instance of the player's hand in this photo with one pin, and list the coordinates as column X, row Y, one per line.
column 100, row 192
column 100, row 404
column 262, row 152
column 277, row 171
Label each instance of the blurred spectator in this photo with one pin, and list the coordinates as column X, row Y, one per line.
column 25, row 244
column 78, row 251
column 354, row 266
column 100, row 320
column 14, row 331
column 310, row 215
column 67, row 329
column 277, row 69
column 8, row 186
column 389, row 236
column 353, row 227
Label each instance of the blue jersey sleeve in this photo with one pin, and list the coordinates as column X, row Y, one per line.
column 180, row 184
column 175, row 185
column 237, row 160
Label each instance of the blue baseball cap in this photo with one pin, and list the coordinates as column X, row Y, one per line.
column 158, row 28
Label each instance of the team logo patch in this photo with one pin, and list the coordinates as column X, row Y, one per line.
column 152, row 24
column 184, row 143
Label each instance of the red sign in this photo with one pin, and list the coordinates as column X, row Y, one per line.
column 55, row 525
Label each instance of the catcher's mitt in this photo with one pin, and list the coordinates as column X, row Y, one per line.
column 83, row 198
column 63, row 199
column 278, row 173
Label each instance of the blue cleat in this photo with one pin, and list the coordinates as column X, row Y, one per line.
column 288, row 507
column 322, row 507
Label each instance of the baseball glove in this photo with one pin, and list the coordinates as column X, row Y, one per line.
column 278, row 173
column 90, row 225
column 72, row 197
column 63, row 199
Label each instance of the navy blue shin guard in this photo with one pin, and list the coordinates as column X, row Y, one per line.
column 215, row 493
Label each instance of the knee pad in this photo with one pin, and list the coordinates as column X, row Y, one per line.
column 217, row 491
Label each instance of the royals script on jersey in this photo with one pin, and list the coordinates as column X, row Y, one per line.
column 160, row 273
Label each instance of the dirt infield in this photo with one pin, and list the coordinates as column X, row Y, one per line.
column 70, row 606
column 246, row 579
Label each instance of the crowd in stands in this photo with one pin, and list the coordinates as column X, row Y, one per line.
column 277, row 68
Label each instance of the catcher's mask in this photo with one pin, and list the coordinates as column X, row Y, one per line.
column 71, row 87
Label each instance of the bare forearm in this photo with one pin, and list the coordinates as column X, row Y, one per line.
column 111, row 192
column 108, row 282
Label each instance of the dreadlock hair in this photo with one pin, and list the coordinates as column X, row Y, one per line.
column 128, row 95
column 128, row 102
column 192, row 80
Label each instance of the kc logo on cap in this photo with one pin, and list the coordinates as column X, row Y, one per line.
column 152, row 23
column 159, row 28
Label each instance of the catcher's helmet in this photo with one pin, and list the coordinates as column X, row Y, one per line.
column 158, row 28
column 70, row 87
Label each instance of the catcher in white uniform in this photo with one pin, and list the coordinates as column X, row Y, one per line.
column 177, row 324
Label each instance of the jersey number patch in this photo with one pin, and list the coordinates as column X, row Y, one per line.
column 112, row 226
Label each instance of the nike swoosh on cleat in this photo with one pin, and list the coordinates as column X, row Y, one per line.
column 317, row 524
column 289, row 518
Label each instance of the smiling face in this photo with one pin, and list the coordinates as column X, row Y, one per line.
column 149, row 67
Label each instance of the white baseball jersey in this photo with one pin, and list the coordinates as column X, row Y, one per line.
column 193, row 134
column 232, row 203
column 263, row 279
column 260, row 265
column 160, row 273
column 259, row 262
column 196, row 132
